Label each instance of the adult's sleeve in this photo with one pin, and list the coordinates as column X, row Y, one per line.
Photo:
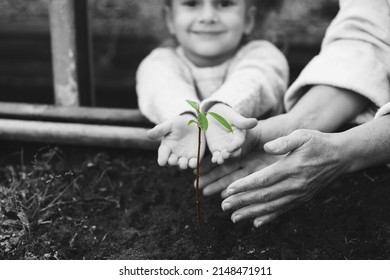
column 163, row 84
column 256, row 81
column 355, row 55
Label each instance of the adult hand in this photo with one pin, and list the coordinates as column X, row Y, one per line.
column 216, row 178
column 314, row 160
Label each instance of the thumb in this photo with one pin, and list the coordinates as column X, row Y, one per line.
column 241, row 122
column 159, row 131
column 286, row 144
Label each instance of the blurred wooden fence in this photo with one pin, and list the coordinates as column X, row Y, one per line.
column 73, row 119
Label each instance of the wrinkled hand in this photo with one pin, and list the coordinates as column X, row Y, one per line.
column 314, row 160
column 179, row 144
column 222, row 143
column 216, row 178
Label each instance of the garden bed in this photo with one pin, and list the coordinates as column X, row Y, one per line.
column 83, row 203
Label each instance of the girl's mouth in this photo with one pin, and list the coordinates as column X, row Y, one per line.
column 207, row 33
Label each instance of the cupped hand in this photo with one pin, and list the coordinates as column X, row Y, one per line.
column 179, row 144
column 314, row 160
column 215, row 178
column 221, row 142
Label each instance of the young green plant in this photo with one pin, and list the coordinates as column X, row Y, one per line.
column 203, row 124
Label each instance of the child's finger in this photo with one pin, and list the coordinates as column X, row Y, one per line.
column 192, row 163
column 215, row 157
column 220, row 159
column 159, row 131
column 163, row 155
column 225, row 154
column 183, row 163
column 173, row 160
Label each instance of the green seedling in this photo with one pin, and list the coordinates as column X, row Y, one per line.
column 203, row 124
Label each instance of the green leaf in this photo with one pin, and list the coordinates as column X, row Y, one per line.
column 222, row 121
column 194, row 105
column 203, row 123
column 192, row 121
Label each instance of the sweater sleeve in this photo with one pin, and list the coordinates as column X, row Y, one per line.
column 256, row 81
column 163, row 84
column 355, row 55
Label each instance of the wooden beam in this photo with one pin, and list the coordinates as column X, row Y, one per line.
column 73, row 114
column 71, row 53
column 76, row 134
column 84, row 49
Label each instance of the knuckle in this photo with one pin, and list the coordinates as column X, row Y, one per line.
column 263, row 196
column 270, row 207
column 260, row 181
column 252, row 213
column 239, row 201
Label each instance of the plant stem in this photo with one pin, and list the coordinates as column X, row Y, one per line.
column 198, row 174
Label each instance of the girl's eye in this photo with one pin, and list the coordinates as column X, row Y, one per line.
column 226, row 3
column 190, row 3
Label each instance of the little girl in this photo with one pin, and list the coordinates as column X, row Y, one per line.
column 215, row 65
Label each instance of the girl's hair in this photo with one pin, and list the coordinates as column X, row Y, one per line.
column 263, row 5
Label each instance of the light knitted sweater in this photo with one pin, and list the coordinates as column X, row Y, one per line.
column 355, row 55
column 252, row 82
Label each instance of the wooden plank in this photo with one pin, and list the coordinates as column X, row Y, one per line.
column 76, row 134
column 72, row 114
column 71, row 54
column 85, row 65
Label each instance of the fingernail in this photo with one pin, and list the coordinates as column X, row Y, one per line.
column 258, row 224
column 230, row 191
column 236, row 218
column 271, row 146
column 226, row 206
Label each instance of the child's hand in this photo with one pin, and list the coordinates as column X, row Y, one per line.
column 222, row 143
column 179, row 145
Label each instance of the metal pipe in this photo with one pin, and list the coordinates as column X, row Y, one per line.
column 76, row 134
column 72, row 114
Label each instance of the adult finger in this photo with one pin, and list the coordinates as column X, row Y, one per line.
column 217, row 173
column 224, row 194
column 221, row 184
column 265, row 219
column 262, row 178
column 159, row 131
column 261, row 209
column 163, row 154
column 286, row 144
column 262, row 196
column 206, row 165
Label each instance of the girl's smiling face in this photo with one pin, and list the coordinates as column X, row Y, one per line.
column 209, row 31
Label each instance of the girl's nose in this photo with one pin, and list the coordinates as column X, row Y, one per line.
column 208, row 14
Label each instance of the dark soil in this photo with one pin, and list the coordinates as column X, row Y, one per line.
column 119, row 204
